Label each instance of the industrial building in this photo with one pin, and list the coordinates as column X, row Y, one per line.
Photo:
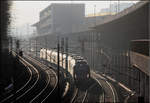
column 60, row 18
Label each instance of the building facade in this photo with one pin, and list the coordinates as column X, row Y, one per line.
column 60, row 18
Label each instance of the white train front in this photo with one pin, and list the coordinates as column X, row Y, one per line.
column 77, row 66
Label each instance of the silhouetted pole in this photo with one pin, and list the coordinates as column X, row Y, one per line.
column 11, row 44
column 36, row 46
column 118, row 5
column 46, row 46
column 29, row 45
column 94, row 39
column 116, row 8
column 91, row 49
column 110, row 7
column 17, row 46
column 139, row 83
column 62, row 49
column 66, row 53
column 58, row 63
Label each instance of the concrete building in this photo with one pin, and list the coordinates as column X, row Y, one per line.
column 66, row 18
column 60, row 18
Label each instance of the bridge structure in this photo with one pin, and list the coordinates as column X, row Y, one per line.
column 120, row 31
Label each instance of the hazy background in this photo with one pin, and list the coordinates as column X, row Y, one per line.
column 26, row 13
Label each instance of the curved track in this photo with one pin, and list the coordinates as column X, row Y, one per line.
column 50, row 86
column 97, row 90
column 41, row 84
column 10, row 94
column 88, row 92
column 110, row 92
column 32, row 80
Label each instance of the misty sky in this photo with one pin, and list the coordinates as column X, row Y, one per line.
column 27, row 12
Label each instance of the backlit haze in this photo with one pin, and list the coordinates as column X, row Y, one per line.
column 26, row 13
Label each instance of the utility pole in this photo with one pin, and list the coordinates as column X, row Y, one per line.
column 17, row 46
column 27, row 28
column 30, row 46
column 62, row 49
column 91, row 49
column 118, row 5
column 11, row 45
column 110, row 7
column 58, row 63
column 36, row 46
column 94, row 39
column 46, row 46
column 95, row 14
column 66, row 53
column 116, row 8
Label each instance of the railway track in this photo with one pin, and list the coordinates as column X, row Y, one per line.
column 65, row 85
column 18, row 89
column 48, row 90
column 79, row 96
column 40, row 86
column 97, row 91
column 110, row 92
column 32, row 81
column 88, row 92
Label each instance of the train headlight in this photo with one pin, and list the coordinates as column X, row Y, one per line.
column 87, row 75
column 75, row 76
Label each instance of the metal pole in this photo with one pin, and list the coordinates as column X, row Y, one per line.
column 36, row 46
column 110, row 7
column 95, row 13
column 62, row 49
column 139, row 83
column 116, row 8
column 94, row 39
column 91, row 48
column 29, row 45
column 58, row 69
column 66, row 53
column 93, row 51
column 118, row 5
column 17, row 46
column 11, row 45
column 46, row 46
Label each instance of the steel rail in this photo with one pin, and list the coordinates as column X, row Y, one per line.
column 86, row 93
column 37, row 62
column 34, row 82
column 102, row 88
column 22, row 87
column 112, row 90
column 84, row 96
column 55, row 86
column 75, row 95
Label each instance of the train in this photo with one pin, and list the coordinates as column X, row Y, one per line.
column 78, row 67
column 20, row 53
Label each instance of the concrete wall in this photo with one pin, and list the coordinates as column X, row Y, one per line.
column 65, row 16
column 128, row 27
